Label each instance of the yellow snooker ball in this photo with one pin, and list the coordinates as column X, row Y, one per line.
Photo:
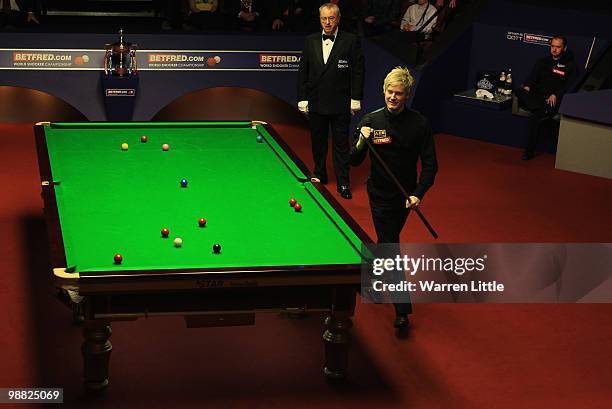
column 124, row 146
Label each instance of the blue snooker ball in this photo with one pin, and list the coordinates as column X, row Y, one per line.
column 183, row 182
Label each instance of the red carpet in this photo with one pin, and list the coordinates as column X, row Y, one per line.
column 458, row 356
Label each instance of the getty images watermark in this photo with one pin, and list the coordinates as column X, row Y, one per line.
column 411, row 265
column 491, row 272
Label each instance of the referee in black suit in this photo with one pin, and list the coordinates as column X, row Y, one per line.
column 330, row 89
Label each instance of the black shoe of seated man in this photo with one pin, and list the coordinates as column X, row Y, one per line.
column 527, row 155
column 401, row 322
column 345, row 192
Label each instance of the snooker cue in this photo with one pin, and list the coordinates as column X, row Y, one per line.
column 399, row 185
column 586, row 63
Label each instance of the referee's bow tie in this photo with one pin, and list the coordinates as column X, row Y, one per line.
column 329, row 37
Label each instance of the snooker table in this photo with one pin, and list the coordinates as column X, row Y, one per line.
column 101, row 200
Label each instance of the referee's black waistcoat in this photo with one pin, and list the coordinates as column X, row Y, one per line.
column 329, row 87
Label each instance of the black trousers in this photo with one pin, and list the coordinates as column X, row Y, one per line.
column 319, row 130
column 536, row 104
column 389, row 217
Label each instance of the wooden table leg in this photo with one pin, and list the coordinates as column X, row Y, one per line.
column 337, row 339
column 96, row 351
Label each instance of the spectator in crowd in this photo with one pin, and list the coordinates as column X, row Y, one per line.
column 173, row 13
column 19, row 11
column 249, row 15
column 450, row 3
column 544, row 88
column 204, row 14
column 443, row 13
column 379, row 14
column 417, row 18
column 293, row 15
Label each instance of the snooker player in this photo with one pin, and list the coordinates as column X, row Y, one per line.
column 543, row 90
column 401, row 137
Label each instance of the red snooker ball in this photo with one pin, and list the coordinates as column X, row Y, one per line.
column 118, row 258
column 165, row 232
column 202, row 222
column 298, row 207
column 292, row 202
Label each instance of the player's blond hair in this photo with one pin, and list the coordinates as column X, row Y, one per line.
column 399, row 75
column 332, row 6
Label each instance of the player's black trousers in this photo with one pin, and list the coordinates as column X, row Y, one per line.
column 389, row 217
column 319, row 129
column 536, row 104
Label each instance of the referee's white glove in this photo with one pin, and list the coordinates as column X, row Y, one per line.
column 303, row 107
column 355, row 106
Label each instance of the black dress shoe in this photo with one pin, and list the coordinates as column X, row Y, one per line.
column 401, row 321
column 345, row 192
column 527, row 156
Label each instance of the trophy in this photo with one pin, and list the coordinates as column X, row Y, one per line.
column 120, row 58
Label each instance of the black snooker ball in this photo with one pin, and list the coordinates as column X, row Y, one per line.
column 217, row 248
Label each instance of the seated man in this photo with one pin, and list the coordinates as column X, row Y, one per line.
column 379, row 14
column 417, row 18
column 541, row 93
column 292, row 15
column 19, row 11
column 249, row 15
column 204, row 14
column 444, row 10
